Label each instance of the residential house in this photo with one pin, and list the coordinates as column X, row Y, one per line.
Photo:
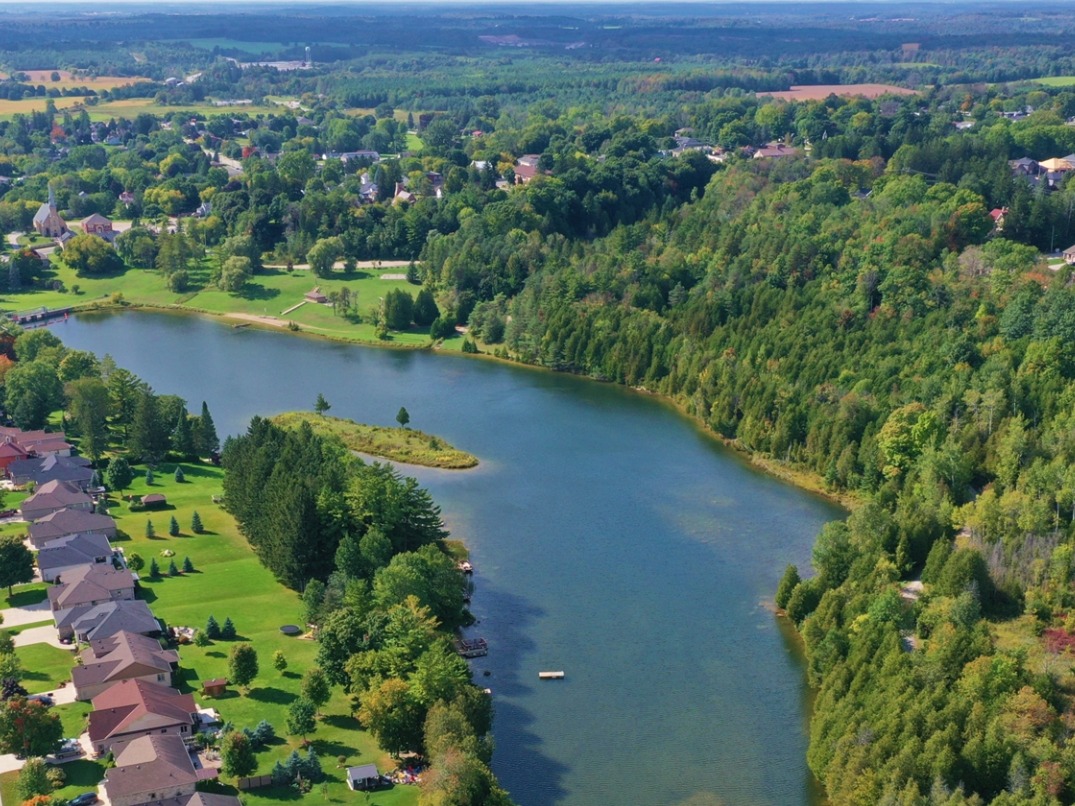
column 1069, row 255
column 200, row 799
column 68, row 522
column 126, row 198
column 43, row 469
column 526, row 168
column 402, row 195
column 47, row 221
column 1025, row 167
column 776, row 151
column 11, row 452
column 52, row 496
column 151, row 769
column 105, row 620
column 132, row 708
column 100, row 226
column 346, row 156
column 38, row 443
column 71, row 552
column 998, row 214
column 123, row 656
column 89, row 585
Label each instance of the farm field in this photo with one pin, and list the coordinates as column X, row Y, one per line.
column 128, row 108
column 817, row 92
column 70, row 81
column 1056, row 81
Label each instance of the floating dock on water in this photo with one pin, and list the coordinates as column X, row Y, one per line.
column 472, row 648
column 551, row 675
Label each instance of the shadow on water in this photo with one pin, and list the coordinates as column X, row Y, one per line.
column 533, row 773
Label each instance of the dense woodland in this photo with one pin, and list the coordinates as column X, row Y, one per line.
column 852, row 311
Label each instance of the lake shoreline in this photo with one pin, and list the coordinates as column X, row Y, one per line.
column 801, row 479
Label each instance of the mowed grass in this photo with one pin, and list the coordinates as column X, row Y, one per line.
column 229, row 582
column 44, row 666
column 268, row 294
column 1056, row 81
column 82, row 775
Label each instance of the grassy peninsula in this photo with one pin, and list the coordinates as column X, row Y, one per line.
column 395, row 444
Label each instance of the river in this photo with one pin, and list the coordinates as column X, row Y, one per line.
column 612, row 539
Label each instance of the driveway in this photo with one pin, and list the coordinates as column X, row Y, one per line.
column 17, row 616
column 42, row 635
column 8, row 763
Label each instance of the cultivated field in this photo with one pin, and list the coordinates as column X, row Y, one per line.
column 70, row 81
column 818, row 92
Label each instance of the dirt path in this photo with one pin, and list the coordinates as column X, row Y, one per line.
column 261, row 320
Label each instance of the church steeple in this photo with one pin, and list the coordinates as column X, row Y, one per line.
column 52, row 198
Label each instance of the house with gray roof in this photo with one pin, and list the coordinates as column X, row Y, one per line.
column 101, row 621
column 123, row 656
column 52, row 496
column 71, row 552
column 91, row 585
column 151, row 769
column 42, row 469
column 69, row 522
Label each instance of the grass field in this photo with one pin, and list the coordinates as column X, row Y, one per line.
column 249, row 48
column 229, row 582
column 268, row 295
column 1056, row 81
column 45, row 666
column 128, row 108
column 394, row 444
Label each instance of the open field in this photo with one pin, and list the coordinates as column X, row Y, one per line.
column 817, row 92
column 68, row 81
column 228, row 582
column 127, row 108
column 1056, row 81
column 224, row 43
column 394, row 444
column 266, row 296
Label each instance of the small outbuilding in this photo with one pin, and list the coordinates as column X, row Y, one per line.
column 217, row 687
column 363, row 778
column 154, row 500
column 316, row 296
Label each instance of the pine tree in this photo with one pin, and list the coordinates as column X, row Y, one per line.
column 180, row 476
column 183, row 437
column 208, row 441
column 196, row 523
column 173, row 527
column 147, row 439
column 188, row 566
column 149, row 476
column 227, row 632
column 279, row 661
column 173, row 569
column 403, row 417
column 154, row 569
column 150, row 531
column 212, row 629
column 321, row 405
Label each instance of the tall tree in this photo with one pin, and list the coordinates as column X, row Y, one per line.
column 29, row 728
column 87, row 410
column 32, row 392
column 183, row 437
column 236, row 755
column 403, row 417
column 118, row 475
column 147, row 439
column 301, row 718
column 16, row 562
column 123, row 389
column 242, row 665
column 205, row 436
column 315, row 687
column 321, row 405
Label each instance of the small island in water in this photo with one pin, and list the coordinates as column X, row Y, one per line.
column 395, row 444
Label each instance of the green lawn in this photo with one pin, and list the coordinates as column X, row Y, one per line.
column 23, row 595
column 44, row 666
column 230, row 582
column 1056, row 81
column 270, row 293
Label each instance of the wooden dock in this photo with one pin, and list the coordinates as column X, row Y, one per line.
column 551, row 675
column 472, row 648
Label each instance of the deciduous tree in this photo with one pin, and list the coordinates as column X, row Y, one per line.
column 16, row 562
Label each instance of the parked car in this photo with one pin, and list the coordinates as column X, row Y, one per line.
column 8, row 513
column 44, row 699
column 85, row 799
column 69, row 749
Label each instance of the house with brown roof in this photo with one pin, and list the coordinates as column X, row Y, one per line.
column 71, row 552
column 38, row 443
column 132, row 708
column 69, row 522
column 776, row 151
column 91, row 585
column 52, row 496
column 11, row 452
column 151, row 769
column 123, row 656
column 100, row 226
column 101, row 621
column 526, row 168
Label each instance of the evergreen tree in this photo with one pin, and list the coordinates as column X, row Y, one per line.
column 196, row 523
column 279, row 661
column 212, row 629
column 173, row 569
column 321, row 405
column 227, row 632
column 147, row 439
column 150, row 531
column 207, row 439
column 154, row 569
column 188, row 566
column 179, row 475
column 118, row 476
column 183, row 437
column 150, row 478
column 425, row 308
column 173, row 527
column 403, row 417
